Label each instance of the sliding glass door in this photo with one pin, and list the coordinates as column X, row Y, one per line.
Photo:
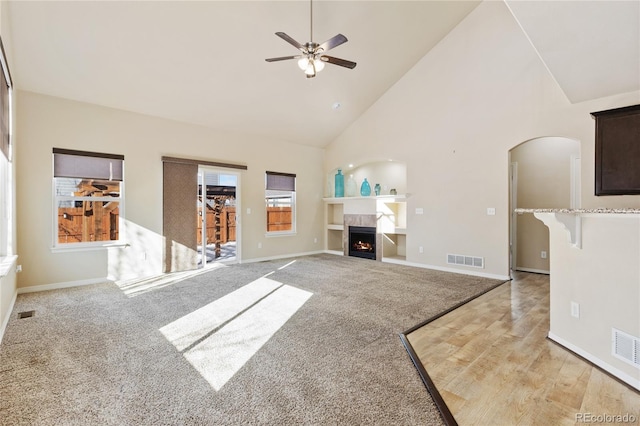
column 218, row 228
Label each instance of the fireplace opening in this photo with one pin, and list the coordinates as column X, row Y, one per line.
column 362, row 242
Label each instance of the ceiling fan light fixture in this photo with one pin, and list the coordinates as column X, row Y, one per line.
column 310, row 71
column 303, row 63
column 313, row 56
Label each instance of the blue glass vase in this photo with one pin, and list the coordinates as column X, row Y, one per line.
column 339, row 183
column 365, row 188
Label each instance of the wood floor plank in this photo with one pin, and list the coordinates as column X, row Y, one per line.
column 492, row 363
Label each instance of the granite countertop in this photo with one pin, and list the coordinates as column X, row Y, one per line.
column 580, row 211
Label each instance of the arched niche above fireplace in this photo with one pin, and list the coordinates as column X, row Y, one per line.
column 390, row 175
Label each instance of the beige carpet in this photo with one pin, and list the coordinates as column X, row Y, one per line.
column 315, row 342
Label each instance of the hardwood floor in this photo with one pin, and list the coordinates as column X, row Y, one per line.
column 493, row 365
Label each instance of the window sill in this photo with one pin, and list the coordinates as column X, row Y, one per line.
column 280, row 234
column 87, row 247
column 6, row 263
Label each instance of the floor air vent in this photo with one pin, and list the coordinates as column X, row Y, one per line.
column 626, row 347
column 26, row 314
column 458, row 259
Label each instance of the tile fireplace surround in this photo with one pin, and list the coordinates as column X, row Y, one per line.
column 361, row 220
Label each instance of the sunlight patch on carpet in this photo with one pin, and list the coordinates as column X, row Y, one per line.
column 219, row 338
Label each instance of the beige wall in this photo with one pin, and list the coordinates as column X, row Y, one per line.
column 45, row 122
column 453, row 119
column 543, row 181
column 603, row 278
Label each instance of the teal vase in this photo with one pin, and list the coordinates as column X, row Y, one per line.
column 365, row 188
column 339, row 183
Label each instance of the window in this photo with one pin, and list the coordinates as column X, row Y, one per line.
column 88, row 197
column 5, row 206
column 6, row 181
column 280, row 196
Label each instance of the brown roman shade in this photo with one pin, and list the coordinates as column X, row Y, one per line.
column 87, row 165
column 277, row 181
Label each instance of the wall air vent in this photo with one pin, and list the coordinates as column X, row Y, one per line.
column 458, row 259
column 626, row 347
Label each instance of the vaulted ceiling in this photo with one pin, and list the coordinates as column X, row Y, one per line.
column 202, row 62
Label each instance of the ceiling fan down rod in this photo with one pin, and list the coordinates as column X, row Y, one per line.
column 311, row 20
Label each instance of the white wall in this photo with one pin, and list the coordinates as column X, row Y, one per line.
column 453, row 119
column 45, row 122
column 544, row 181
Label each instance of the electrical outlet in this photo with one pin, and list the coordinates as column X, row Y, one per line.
column 491, row 211
column 315, row 240
column 575, row 310
column 248, row 210
column 543, row 254
column 259, row 245
column 18, row 268
column 421, row 249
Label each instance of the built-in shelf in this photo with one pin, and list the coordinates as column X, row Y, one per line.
column 393, row 230
column 391, row 213
column 394, row 259
column 390, row 198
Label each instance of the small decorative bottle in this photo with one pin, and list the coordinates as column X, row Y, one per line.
column 365, row 188
column 376, row 189
column 339, row 183
column 351, row 187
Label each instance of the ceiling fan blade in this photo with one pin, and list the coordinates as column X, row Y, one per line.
column 338, row 61
column 283, row 58
column 291, row 41
column 334, row 41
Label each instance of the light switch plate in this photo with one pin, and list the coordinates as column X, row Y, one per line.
column 575, row 310
column 491, row 211
column 419, row 210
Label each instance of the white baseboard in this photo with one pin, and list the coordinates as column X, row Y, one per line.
column 631, row 381
column 284, row 256
column 436, row 268
column 57, row 286
column 5, row 320
column 453, row 270
column 535, row 271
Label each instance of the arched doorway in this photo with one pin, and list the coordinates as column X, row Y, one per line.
column 545, row 173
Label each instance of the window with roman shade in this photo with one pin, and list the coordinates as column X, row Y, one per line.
column 88, row 197
column 280, row 197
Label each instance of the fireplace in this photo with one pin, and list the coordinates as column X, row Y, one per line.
column 362, row 241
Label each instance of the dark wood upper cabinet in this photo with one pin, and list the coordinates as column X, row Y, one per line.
column 617, row 156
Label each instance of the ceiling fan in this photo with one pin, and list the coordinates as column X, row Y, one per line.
column 313, row 55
